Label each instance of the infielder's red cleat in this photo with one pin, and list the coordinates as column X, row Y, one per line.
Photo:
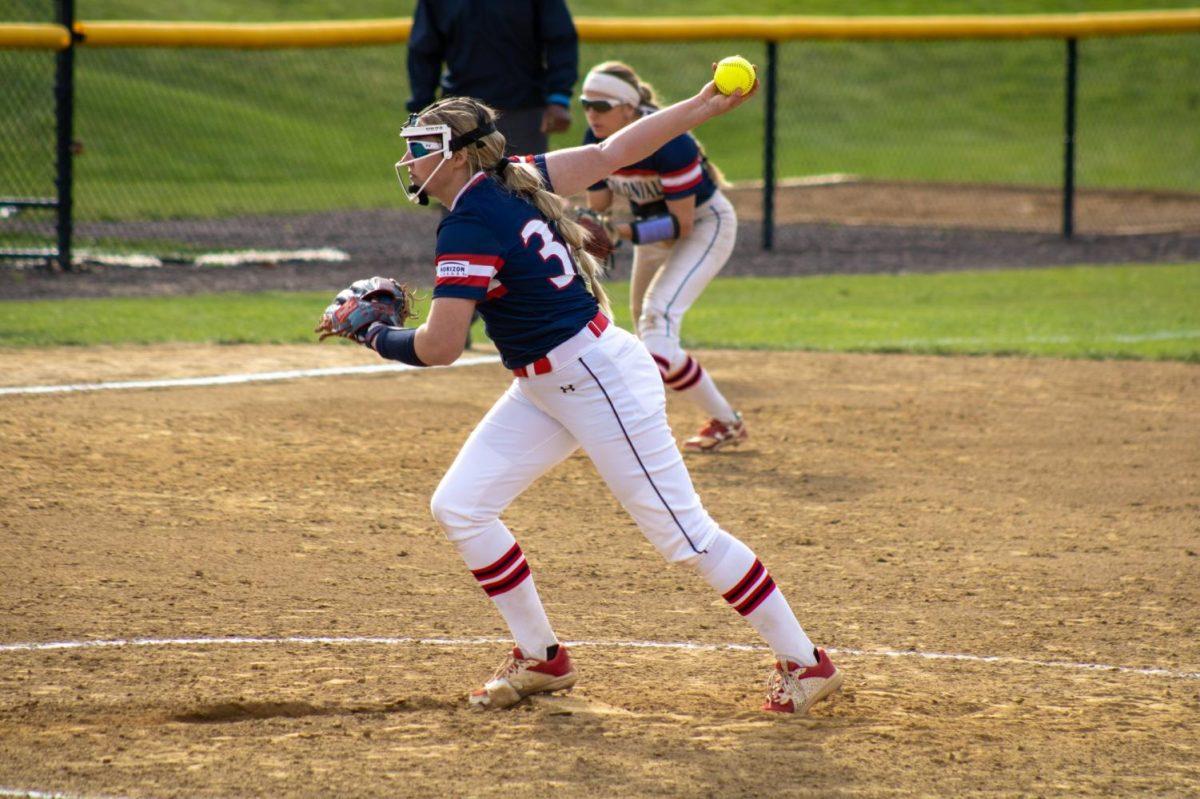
column 520, row 677
column 717, row 434
column 794, row 688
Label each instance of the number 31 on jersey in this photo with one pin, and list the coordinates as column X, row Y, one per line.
column 551, row 249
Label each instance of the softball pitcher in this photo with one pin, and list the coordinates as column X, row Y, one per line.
column 683, row 233
column 506, row 248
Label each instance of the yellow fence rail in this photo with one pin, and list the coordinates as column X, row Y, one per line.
column 34, row 37
column 613, row 29
column 66, row 37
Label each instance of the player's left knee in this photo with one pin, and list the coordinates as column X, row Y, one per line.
column 651, row 322
column 665, row 348
column 457, row 517
column 441, row 505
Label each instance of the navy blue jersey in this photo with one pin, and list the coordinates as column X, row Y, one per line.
column 496, row 248
column 676, row 170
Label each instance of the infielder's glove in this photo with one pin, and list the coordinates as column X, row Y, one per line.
column 602, row 237
column 353, row 310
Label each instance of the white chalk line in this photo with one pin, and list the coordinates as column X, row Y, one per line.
column 52, row 794
column 481, row 641
column 249, row 377
column 1120, row 338
column 677, row 645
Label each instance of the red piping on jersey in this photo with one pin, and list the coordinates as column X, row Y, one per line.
column 493, row 262
column 683, row 171
column 676, row 189
column 474, row 282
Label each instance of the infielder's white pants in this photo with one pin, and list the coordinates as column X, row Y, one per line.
column 668, row 277
column 610, row 401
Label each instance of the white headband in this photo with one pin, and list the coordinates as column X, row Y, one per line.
column 612, row 86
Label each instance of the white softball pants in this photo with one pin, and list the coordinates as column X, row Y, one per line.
column 668, row 277
column 611, row 402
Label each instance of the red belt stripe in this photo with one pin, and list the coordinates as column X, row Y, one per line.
column 542, row 365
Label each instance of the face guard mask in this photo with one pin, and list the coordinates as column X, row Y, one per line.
column 435, row 139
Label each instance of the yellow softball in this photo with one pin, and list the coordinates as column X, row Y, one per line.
column 733, row 73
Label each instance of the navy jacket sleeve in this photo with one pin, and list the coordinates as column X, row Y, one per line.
column 426, row 50
column 561, row 50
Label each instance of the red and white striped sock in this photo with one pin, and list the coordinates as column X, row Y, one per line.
column 497, row 562
column 732, row 568
column 691, row 380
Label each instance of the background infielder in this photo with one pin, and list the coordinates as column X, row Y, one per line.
column 683, row 233
column 506, row 248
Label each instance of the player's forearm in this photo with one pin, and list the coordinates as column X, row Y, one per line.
column 395, row 344
column 439, row 350
column 644, row 137
column 417, row 346
column 573, row 170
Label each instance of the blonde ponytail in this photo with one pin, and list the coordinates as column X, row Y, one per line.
column 714, row 171
column 464, row 114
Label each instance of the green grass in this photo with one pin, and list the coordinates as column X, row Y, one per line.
column 1148, row 312
column 207, row 133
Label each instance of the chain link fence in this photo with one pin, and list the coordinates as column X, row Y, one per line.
column 27, row 140
column 191, row 151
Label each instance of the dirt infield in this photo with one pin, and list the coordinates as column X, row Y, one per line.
column 1036, row 510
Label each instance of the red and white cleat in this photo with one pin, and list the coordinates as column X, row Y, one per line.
column 717, row 434
column 520, row 677
column 794, row 688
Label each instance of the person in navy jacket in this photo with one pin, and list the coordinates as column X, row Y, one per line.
column 519, row 56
